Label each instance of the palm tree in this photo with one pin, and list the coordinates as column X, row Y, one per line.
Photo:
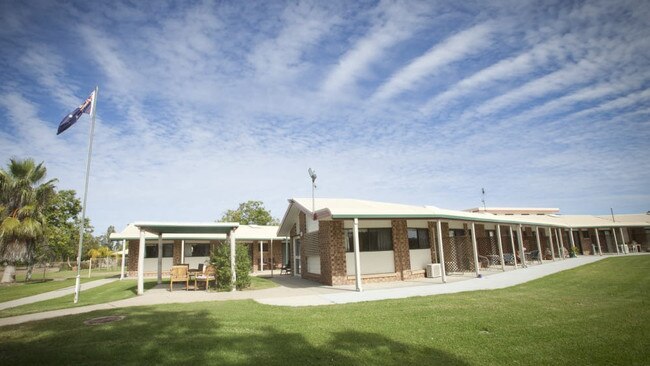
column 23, row 200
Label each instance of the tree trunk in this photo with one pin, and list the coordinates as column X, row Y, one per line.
column 9, row 275
column 30, row 269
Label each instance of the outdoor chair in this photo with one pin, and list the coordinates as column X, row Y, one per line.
column 209, row 274
column 534, row 256
column 179, row 273
column 484, row 262
column 286, row 269
column 508, row 258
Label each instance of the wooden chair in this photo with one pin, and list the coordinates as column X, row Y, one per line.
column 179, row 273
column 209, row 274
column 286, row 269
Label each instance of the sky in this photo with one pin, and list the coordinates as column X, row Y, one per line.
column 203, row 105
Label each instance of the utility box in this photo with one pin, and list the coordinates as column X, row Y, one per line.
column 433, row 270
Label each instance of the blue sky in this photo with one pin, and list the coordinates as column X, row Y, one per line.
column 203, row 105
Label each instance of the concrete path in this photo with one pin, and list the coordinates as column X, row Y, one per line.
column 294, row 291
column 53, row 294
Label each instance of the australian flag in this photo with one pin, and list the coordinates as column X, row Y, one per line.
column 72, row 118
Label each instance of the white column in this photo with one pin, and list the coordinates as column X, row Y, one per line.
column 357, row 255
column 159, row 258
column 600, row 250
column 624, row 247
column 522, row 253
column 500, row 244
column 615, row 240
column 550, row 242
column 272, row 257
column 539, row 245
column 141, row 264
column 231, row 236
column 475, row 248
column 512, row 243
column 123, row 260
column 182, row 251
column 261, row 256
column 573, row 244
column 441, row 254
column 560, row 234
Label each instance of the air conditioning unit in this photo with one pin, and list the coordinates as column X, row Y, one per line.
column 433, row 270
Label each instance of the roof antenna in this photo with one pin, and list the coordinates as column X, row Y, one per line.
column 312, row 175
column 483, row 199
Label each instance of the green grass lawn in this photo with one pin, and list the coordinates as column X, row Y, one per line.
column 597, row 314
column 114, row 291
column 260, row 283
column 37, row 286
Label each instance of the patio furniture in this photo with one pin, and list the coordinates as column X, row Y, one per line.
column 209, row 274
column 286, row 269
column 484, row 262
column 179, row 273
column 508, row 258
column 533, row 256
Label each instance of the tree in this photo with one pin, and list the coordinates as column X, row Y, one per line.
column 250, row 212
column 63, row 232
column 24, row 197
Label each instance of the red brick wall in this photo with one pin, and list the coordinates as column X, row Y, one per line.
column 134, row 249
column 433, row 240
column 332, row 253
column 177, row 251
column 401, row 248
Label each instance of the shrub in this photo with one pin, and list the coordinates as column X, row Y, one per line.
column 221, row 260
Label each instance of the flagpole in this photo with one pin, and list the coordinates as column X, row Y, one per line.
column 93, row 109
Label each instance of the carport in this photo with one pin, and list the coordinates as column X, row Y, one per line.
column 160, row 228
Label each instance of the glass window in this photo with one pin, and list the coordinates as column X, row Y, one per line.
column 151, row 251
column 418, row 238
column 370, row 240
column 197, row 250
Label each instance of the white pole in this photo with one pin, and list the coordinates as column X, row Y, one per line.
column 93, row 112
column 443, row 274
column 550, row 242
column 623, row 246
column 160, row 258
column 573, row 244
column 503, row 264
column 522, row 253
column 615, row 241
column 561, row 248
column 600, row 250
column 272, row 256
column 232, row 259
column 512, row 242
column 182, row 251
column 475, row 249
column 539, row 245
column 141, row 264
column 357, row 255
column 123, row 255
column 261, row 257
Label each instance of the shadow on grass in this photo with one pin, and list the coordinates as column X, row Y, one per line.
column 201, row 337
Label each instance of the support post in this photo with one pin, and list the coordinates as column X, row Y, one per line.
column 522, row 251
column 573, row 244
column 499, row 242
column 357, row 256
column 159, row 259
column 623, row 245
column 600, row 250
column 123, row 254
column 512, row 243
column 550, row 242
column 141, row 264
column 272, row 256
column 539, row 245
column 475, row 249
column 441, row 254
column 231, row 237
column 615, row 241
column 561, row 249
column 182, row 251
column 261, row 256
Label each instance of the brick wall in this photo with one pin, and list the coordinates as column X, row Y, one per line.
column 433, row 240
column 332, row 253
column 134, row 249
column 401, row 248
column 176, row 250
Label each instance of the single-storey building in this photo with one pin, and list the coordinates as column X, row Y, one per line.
column 348, row 241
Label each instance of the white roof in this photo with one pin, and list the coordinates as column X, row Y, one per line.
column 242, row 233
column 336, row 208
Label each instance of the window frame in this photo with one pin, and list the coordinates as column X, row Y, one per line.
column 365, row 244
column 420, row 233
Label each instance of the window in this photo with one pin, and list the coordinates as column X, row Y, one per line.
column 370, row 240
column 197, row 250
column 418, row 238
column 151, row 251
column 457, row 232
